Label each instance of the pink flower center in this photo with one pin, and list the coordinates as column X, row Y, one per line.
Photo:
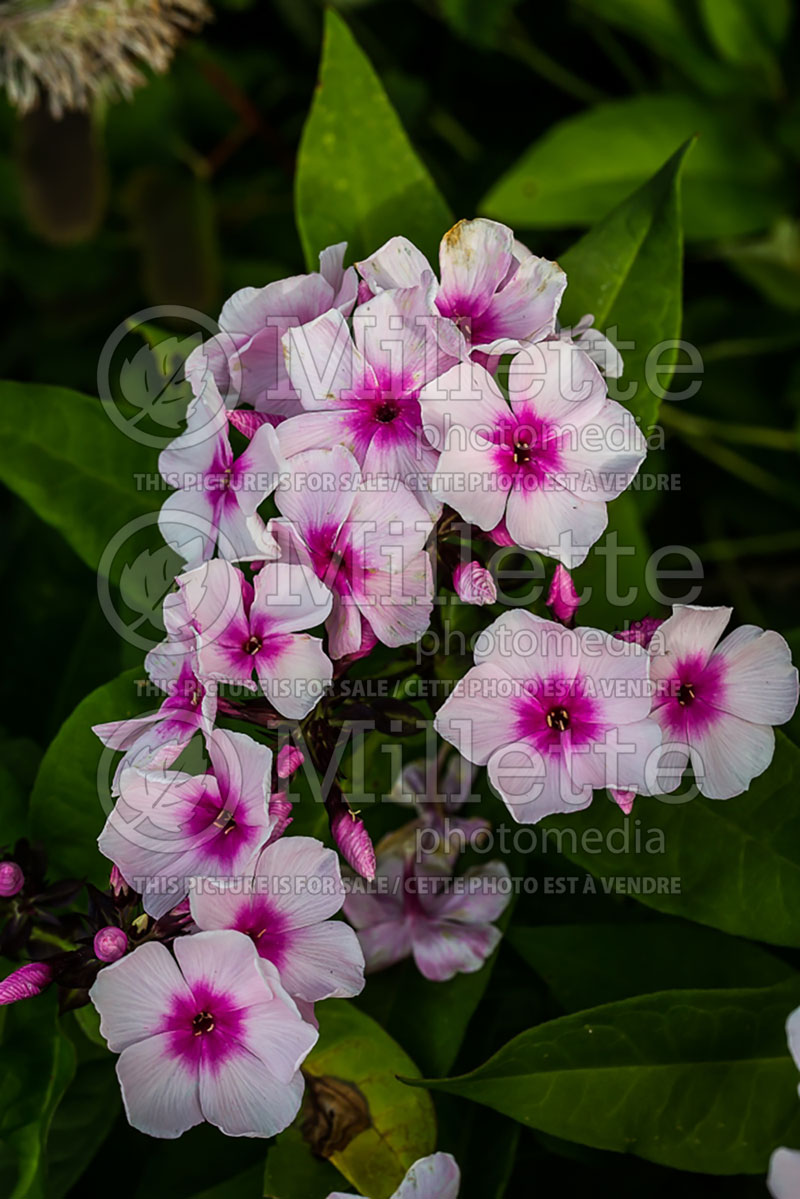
column 202, row 1024
column 558, row 720
column 252, row 645
column 386, row 411
column 690, row 699
column 556, row 712
column 204, row 1028
column 527, row 445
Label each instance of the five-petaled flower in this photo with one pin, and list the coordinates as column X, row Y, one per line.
column 209, row 1034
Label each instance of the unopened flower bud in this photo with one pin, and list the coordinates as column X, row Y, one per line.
column 353, row 840
column 26, row 982
column 117, row 882
column 640, row 632
column 289, row 760
column 623, row 798
column 110, row 944
column 280, row 810
column 12, row 880
column 474, row 584
column 562, row 598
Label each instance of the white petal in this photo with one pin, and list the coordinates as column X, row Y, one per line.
column 134, row 994
column 730, row 754
column 244, row 1099
column 760, row 681
column 160, row 1093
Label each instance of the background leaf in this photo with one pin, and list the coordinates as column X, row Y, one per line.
column 699, row 1080
column 358, row 178
column 70, row 799
column 583, row 167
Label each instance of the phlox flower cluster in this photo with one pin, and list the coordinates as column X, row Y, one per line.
column 340, row 422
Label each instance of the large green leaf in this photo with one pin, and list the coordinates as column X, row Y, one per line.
column 699, row 1080
column 358, row 177
column 581, row 168
column 628, row 272
column 71, row 796
column 733, row 864
column 293, row 1172
column 362, row 1063
column 60, row 452
column 588, row 964
column 83, row 1118
column 37, row 1062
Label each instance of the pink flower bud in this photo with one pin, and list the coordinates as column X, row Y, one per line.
column 501, row 536
column 247, row 422
column 562, row 598
column 117, row 883
column 624, row 799
column 110, row 944
column 353, row 841
column 280, row 810
column 474, row 584
column 640, row 631
column 12, row 880
column 26, row 982
column 289, row 760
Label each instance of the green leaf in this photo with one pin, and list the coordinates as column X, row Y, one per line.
column 697, row 1080
column 60, row 452
column 71, row 796
column 358, row 177
column 476, row 21
column 733, row 864
column 82, row 1121
column 628, row 272
column 588, row 964
column 37, row 1062
column 354, row 1052
column 747, row 32
column 581, row 168
column 613, row 579
column 771, row 264
column 666, row 26
column 293, row 1172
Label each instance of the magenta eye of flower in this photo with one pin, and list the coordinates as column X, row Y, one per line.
column 386, row 412
column 226, row 478
column 252, row 645
column 202, row 1023
column 558, row 720
column 686, row 694
column 225, row 821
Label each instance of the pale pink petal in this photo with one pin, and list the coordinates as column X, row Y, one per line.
column 480, row 896
column 160, row 1094
column 398, row 263
column 433, row 1177
column 323, row 961
column 555, row 522
column 616, row 675
column 533, row 787
column 322, row 362
column 760, row 682
column 244, row 1098
column 729, row 754
column 442, row 949
column 384, row 944
column 290, row 597
column 242, row 538
column 344, row 627
column 559, row 382
column 133, row 994
column 317, row 430
column 475, row 258
column 321, row 489
column 225, row 961
column 398, row 606
column 242, row 769
column 478, row 717
column 256, row 472
column 188, row 523
column 411, row 463
column 465, row 397
column 316, row 891
column 600, row 460
column 690, row 631
column 529, row 647
column 783, row 1181
column 396, row 333
column 525, row 308
column 793, row 1035
column 295, row 678
column 469, row 481
column 627, row 758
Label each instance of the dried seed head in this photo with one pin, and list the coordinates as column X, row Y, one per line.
column 66, row 53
